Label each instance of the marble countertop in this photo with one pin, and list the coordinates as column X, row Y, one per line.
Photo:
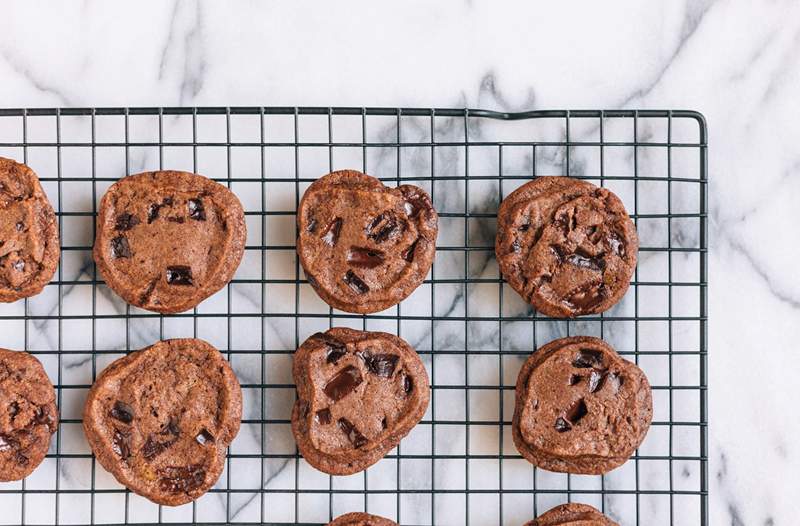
column 737, row 62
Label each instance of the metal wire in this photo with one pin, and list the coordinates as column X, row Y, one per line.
column 485, row 155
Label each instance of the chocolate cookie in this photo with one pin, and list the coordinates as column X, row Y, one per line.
column 572, row 514
column 29, row 248
column 358, row 394
column 28, row 414
column 580, row 407
column 363, row 246
column 160, row 419
column 566, row 246
column 168, row 240
column 361, row 519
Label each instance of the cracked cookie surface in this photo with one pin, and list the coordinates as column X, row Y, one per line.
column 160, row 419
column 572, row 514
column 28, row 414
column 168, row 240
column 580, row 407
column 566, row 246
column 361, row 519
column 364, row 246
column 29, row 245
column 358, row 394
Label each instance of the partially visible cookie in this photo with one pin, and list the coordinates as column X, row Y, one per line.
column 580, row 407
column 364, row 246
column 566, row 246
column 361, row 519
column 29, row 248
column 28, row 414
column 168, row 240
column 358, row 394
column 160, row 419
column 572, row 514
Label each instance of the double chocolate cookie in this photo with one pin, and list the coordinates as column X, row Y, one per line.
column 358, row 394
column 364, row 246
column 168, row 240
column 161, row 419
column 572, row 514
column 580, row 407
column 28, row 414
column 29, row 248
column 566, row 246
column 361, row 519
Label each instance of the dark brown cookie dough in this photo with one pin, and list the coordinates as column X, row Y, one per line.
column 572, row 514
column 168, row 240
column 29, row 249
column 364, row 246
column 358, row 394
column 361, row 519
column 161, row 419
column 28, row 414
column 566, row 246
column 580, row 407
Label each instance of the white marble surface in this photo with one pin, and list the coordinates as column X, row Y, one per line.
column 738, row 62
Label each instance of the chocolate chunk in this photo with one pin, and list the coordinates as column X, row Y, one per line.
column 616, row 244
column 383, row 227
column 331, row 235
column 20, row 226
column 19, row 265
column 196, row 209
column 13, row 409
column 356, row 283
column 596, row 381
column 5, row 443
column 336, row 348
column 153, row 448
column 408, row 384
column 562, row 425
column 122, row 412
column 576, row 411
column 587, row 358
column 353, row 435
column 587, row 298
column 381, row 364
column 415, row 202
column 323, row 416
column 384, row 423
column 204, row 437
column 120, row 247
column 615, row 380
column 120, row 444
column 558, row 252
column 126, row 221
column 171, row 428
column 408, row 254
column 574, row 379
column 593, row 263
column 181, row 479
column 152, row 212
column 334, row 355
column 364, row 257
column 179, row 275
column 311, row 224
column 343, row 383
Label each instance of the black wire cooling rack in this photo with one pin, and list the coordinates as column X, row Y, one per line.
column 459, row 465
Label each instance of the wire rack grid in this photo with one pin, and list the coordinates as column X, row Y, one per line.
column 459, row 465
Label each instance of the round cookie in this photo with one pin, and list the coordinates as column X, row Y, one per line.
column 364, row 246
column 566, row 246
column 358, row 394
column 572, row 514
column 168, row 240
column 29, row 247
column 161, row 419
column 580, row 407
column 28, row 414
column 361, row 519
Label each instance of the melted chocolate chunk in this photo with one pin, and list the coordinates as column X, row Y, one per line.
column 331, row 235
column 152, row 448
column 596, row 381
column 380, row 364
column 587, row 358
column 179, row 275
column 196, row 209
column 6, row 443
column 13, row 409
column 408, row 254
column 122, row 412
column 593, row 263
column 152, row 212
column 121, row 444
column 577, row 411
column 356, row 283
column 126, row 221
column 181, row 479
column 311, row 224
column 364, row 258
column 43, row 416
column 408, row 385
column 383, row 227
column 587, row 298
column 20, row 226
column 415, row 202
column 323, row 416
column 384, row 423
column 353, row 434
column 562, row 425
column 574, row 379
column 120, row 247
column 343, row 383
column 616, row 244
column 204, row 437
